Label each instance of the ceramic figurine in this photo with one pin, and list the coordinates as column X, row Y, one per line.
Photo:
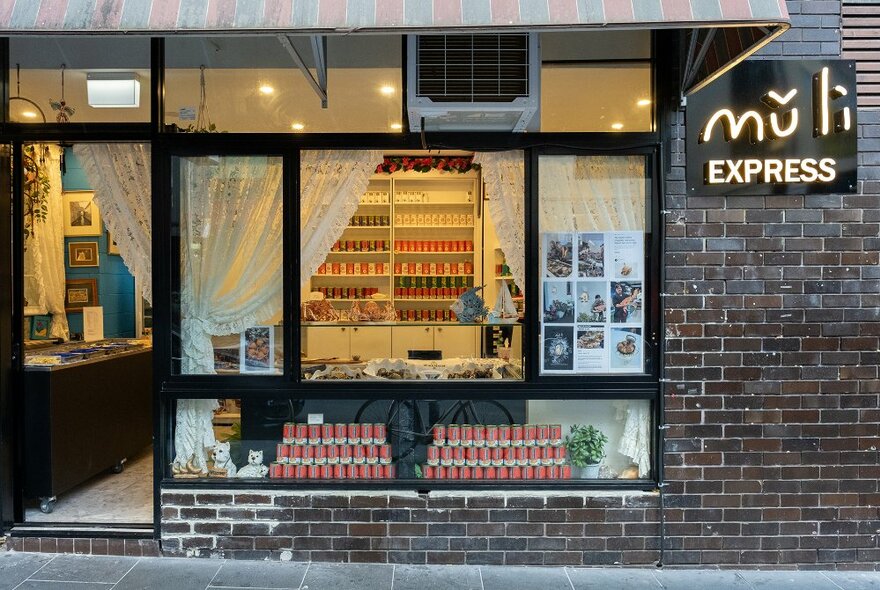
column 222, row 461
column 470, row 307
column 255, row 467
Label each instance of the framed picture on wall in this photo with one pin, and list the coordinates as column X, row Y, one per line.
column 82, row 254
column 40, row 327
column 81, row 216
column 80, row 293
column 112, row 246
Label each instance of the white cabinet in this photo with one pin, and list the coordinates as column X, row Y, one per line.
column 346, row 342
column 452, row 341
column 406, row 338
column 370, row 342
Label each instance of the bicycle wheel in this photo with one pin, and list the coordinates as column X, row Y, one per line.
column 482, row 412
column 383, row 412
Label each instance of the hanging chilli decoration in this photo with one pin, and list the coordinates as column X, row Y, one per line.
column 65, row 111
column 36, row 188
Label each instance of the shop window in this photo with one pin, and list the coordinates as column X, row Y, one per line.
column 229, row 228
column 408, row 270
column 588, row 87
column 504, row 441
column 79, row 80
column 593, row 264
column 253, row 84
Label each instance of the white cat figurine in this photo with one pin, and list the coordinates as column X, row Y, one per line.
column 222, row 459
column 255, row 467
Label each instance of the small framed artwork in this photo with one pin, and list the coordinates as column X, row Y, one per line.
column 40, row 327
column 257, row 350
column 82, row 254
column 112, row 246
column 81, row 216
column 80, row 293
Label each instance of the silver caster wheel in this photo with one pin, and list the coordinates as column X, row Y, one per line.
column 47, row 505
column 120, row 467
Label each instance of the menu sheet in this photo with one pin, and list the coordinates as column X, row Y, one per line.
column 592, row 312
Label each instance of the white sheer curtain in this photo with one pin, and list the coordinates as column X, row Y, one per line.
column 332, row 184
column 45, row 253
column 504, row 175
column 592, row 193
column 635, row 442
column 231, row 275
column 120, row 175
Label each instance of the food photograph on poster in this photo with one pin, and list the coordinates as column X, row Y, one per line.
column 626, row 302
column 592, row 303
column 257, row 349
column 626, row 348
column 628, row 255
column 558, row 255
column 591, row 255
column 558, row 302
column 558, row 348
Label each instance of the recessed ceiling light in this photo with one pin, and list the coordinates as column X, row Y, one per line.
column 617, row 126
column 643, row 102
column 297, row 126
column 113, row 90
column 266, row 90
column 387, row 90
column 396, row 126
column 29, row 114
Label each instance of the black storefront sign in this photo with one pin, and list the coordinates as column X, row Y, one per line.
column 774, row 127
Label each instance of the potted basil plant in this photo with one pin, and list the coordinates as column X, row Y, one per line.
column 586, row 449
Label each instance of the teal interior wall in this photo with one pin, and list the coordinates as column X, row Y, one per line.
column 115, row 283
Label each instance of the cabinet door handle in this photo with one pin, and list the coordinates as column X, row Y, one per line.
column 343, row 329
column 427, row 329
column 439, row 329
column 355, row 329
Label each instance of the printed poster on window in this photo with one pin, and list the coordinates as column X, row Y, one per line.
column 592, row 318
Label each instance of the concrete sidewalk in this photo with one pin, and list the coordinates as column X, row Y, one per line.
column 39, row 571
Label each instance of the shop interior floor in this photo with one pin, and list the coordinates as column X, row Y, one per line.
column 125, row 497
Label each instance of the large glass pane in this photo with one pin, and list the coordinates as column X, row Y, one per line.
column 100, row 80
column 254, row 84
column 593, row 264
column 405, row 272
column 229, row 226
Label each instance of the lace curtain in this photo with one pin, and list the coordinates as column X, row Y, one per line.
column 332, row 184
column 120, row 175
column 592, row 193
column 635, row 442
column 45, row 250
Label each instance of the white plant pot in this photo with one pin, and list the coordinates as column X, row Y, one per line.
column 587, row 472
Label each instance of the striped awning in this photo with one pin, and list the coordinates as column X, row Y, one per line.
column 747, row 24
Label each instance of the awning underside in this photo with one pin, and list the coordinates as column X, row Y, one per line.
column 724, row 31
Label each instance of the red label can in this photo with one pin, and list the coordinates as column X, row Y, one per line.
column 314, row 434
column 359, row 456
column 276, row 470
column 534, row 455
column 391, row 471
column 301, row 434
column 282, row 453
column 363, row 471
column 372, row 454
column 384, row 454
column 528, row 472
column 484, row 456
column 458, row 456
column 332, row 454
column 326, row 472
column 338, row 471
column 497, row 456
column 345, row 454
column 445, row 455
column 301, row 471
column 503, row 472
column 553, row 472
column 366, row 434
column 530, row 434
column 354, row 433
column 398, row 268
column 296, row 454
column 429, row 471
column 464, row 473
column 541, row 472
column 491, row 436
column 566, row 472
column 308, row 455
column 290, row 470
column 470, row 456
column 320, row 452
column 543, row 434
column 467, row 435
column 351, row 471
column 340, row 434
column 509, row 456
column 380, row 434
column 379, row 472
column 327, row 433
column 314, row 472
column 504, row 434
column 546, row 455
column 479, row 435
column 453, row 435
column 477, row 472
column 516, row 435
column 516, row 472
column 559, row 455
column 556, row 434
column 440, row 472
column 491, row 472
column 289, row 432
column 452, row 472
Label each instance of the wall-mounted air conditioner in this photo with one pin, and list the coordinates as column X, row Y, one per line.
column 473, row 82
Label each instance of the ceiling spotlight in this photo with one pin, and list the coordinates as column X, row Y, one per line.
column 387, row 90
column 643, row 102
column 29, row 114
column 617, row 126
column 266, row 90
column 396, row 126
column 297, row 126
